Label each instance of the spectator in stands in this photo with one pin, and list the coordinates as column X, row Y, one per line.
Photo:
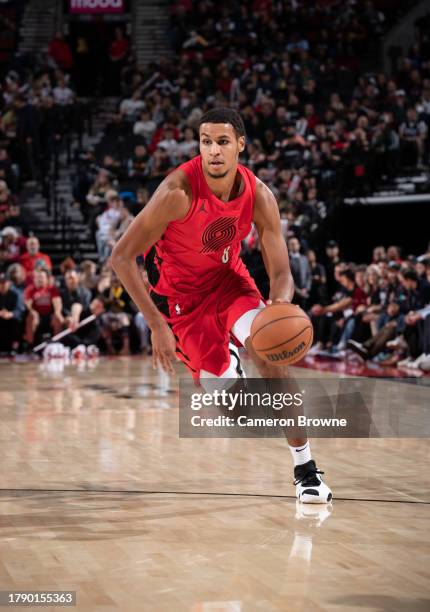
column 113, row 166
column 379, row 254
column 4, row 259
column 366, row 318
column 145, row 127
column 391, row 324
column 427, row 265
column 125, row 219
column 409, row 298
column 44, row 308
column 13, row 243
column 83, row 75
column 52, row 126
column 332, row 260
column 394, row 254
column 130, row 108
column 27, row 137
column 118, row 51
column 106, row 222
column 318, row 291
column 105, row 279
column 67, row 264
column 88, row 275
column 159, row 166
column 63, row 95
column 413, row 135
column 135, row 206
column 412, row 295
column 138, row 164
column 6, row 202
column 75, row 299
column 34, row 257
column 17, row 219
column 330, row 320
column 97, row 196
column 65, row 115
column 170, row 144
column 11, row 315
column 116, row 321
column 18, row 276
column 188, row 147
column 8, row 173
column 60, row 52
column 385, row 145
column 301, row 272
column 417, row 337
column 90, row 334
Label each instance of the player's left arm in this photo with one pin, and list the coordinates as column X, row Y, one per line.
column 273, row 246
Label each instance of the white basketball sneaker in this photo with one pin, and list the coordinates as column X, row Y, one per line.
column 310, row 487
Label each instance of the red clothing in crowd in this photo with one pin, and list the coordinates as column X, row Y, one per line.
column 264, row 6
column 118, row 49
column 16, row 249
column 60, row 51
column 41, row 298
column 29, row 262
column 359, row 298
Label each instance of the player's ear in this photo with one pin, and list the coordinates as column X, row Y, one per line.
column 241, row 143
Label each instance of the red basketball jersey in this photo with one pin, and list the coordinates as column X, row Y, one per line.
column 194, row 254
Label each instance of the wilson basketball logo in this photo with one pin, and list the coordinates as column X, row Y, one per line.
column 219, row 234
column 286, row 354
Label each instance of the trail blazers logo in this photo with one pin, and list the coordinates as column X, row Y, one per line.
column 219, row 234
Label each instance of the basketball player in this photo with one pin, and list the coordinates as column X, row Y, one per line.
column 200, row 290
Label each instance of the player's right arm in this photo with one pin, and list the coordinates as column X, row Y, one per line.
column 171, row 202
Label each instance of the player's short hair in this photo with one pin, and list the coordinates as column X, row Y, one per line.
column 225, row 115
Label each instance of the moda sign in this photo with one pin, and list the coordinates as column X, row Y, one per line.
column 96, row 6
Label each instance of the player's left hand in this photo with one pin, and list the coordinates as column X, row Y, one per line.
column 163, row 348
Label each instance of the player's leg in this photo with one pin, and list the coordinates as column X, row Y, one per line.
column 310, row 488
column 234, row 371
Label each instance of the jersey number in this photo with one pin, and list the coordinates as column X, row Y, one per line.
column 225, row 255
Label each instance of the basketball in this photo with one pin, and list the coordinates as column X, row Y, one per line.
column 282, row 334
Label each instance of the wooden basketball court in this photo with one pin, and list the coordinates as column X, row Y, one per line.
column 100, row 496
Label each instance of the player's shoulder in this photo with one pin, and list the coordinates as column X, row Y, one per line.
column 173, row 197
column 266, row 209
column 176, row 185
column 263, row 193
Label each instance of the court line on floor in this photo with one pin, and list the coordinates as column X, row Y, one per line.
column 211, row 494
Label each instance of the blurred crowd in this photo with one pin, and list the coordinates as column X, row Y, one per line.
column 378, row 310
column 321, row 124
column 38, row 114
column 36, row 304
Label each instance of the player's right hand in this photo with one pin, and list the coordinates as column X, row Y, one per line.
column 163, row 348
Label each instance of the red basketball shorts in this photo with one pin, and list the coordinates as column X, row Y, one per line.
column 202, row 323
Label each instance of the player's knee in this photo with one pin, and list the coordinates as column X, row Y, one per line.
column 211, row 382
